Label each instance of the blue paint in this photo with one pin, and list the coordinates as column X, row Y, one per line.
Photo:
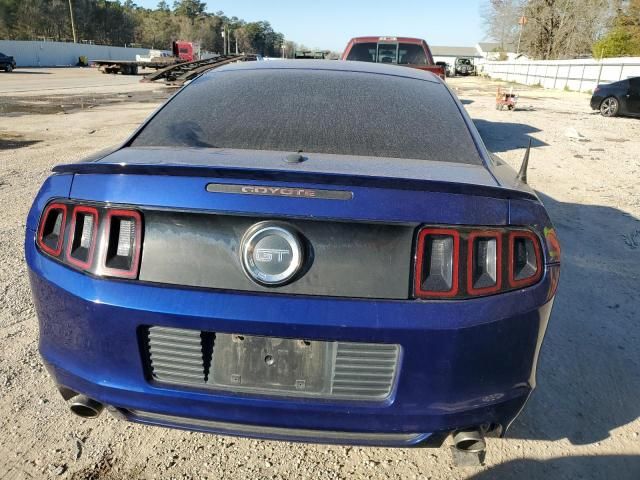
column 464, row 363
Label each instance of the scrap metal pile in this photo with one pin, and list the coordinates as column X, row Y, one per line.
column 181, row 72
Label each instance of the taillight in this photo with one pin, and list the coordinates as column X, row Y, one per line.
column 51, row 230
column 122, row 242
column 437, row 263
column 484, row 262
column 82, row 236
column 115, row 233
column 463, row 262
column 524, row 259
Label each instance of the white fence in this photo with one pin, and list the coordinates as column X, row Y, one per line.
column 55, row 54
column 580, row 75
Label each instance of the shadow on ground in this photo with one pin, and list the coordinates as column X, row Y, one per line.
column 28, row 72
column 15, row 143
column 588, row 381
column 620, row 467
column 505, row 136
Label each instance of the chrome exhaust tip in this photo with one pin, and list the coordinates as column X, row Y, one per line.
column 85, row 407
column 469, row 441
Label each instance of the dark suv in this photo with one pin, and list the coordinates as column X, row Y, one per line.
column 7, row 63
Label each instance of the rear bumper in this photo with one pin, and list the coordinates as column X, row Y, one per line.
column 463, row 364
column 595, row 102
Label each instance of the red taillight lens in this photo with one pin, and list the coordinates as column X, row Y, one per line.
column 51, row 230
column 99, row 240
column 437, row 263
column 122, row 243
column 82, row 236
column 463, row 262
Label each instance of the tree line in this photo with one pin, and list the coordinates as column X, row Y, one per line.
column 115, row 22
column 560, row 29
column 623, row 35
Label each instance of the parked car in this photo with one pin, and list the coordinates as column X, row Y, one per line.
column 464, row 66
column 7, row 63
column 317, row 251
column 445, row 67
column 617, row 98
column 410, row 52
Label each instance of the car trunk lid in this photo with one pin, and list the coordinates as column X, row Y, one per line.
column 357, row 217
column 403, row 174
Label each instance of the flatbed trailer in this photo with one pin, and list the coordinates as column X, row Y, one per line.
column 130, row 67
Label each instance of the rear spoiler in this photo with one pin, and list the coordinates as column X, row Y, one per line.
column 336, row 179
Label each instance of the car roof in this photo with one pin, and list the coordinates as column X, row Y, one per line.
column 383, row 38
column 332, row 65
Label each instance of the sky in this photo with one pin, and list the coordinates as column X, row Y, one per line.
column 330, row 24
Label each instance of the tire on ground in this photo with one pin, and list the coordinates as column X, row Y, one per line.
column 609, row 107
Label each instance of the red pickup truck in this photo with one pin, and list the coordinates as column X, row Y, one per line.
column 411, row 52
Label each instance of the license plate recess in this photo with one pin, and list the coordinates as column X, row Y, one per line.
column 272, row 365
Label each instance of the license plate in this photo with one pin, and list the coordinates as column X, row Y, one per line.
column 273, row 365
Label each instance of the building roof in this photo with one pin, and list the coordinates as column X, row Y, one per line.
column 487, row 47
column 439, row 51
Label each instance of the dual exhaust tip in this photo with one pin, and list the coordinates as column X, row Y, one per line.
column 85, row 407
column 469, row 441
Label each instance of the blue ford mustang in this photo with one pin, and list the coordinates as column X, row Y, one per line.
column 315, row 251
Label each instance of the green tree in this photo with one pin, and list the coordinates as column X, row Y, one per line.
column 191, row 9
column 619, row 42
column 623, row 38
column 119, row 22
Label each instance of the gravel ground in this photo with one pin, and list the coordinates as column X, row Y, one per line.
column 582, row 421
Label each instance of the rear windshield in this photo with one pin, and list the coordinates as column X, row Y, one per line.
column 411, row 54
column 363, row 52
column 402, row 53
column 319, row 111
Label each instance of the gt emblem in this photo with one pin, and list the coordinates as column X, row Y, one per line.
column 271, row 253
column 268, row 254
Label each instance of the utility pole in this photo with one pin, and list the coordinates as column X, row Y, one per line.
column 73, row 26
column 235, row 34
column 224, row 40
column 522, row 21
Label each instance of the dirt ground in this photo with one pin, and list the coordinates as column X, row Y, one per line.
column 582, row 421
